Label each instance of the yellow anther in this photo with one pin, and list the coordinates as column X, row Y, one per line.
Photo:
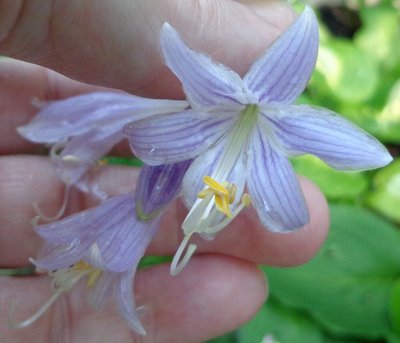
column 93, row 276
column 232, row 193
column 224, row 194
column 246, row 200
column 222, row 204
column 215, row 186
column 202, row 194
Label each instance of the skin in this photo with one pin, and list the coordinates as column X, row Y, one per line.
column 221, row 287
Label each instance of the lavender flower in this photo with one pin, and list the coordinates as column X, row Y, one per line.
column 82, row 129
column 241, row 131
column 105, row 244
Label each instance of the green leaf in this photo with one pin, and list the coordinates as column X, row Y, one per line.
column 385, row 198
column 334, row 184
column 395, row 307
column 348, row 286
column 284, row 325
column 228, row 338
column 388, row 120
column 379, row 36
column 351, row 75
column 125, row 161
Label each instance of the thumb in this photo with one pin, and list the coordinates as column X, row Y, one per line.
column 115, row 44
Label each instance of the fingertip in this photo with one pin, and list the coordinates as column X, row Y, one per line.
column 213, row 295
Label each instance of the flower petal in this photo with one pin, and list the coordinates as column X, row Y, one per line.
column 126, row 303
column 123, row 246
column 274, row 188
column 157, row 186
column 282, row 73
column 102, row 289
column 61, row 256
column 206, row 83
column 59, row 120
column 82, row 152
column 88, row 224
column 325, row 134
column 176, row 137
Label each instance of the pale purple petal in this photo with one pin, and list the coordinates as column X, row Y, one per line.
column 327, row 135
column 89, row 224
column 61, row 256
column 273, row 187
column 176, row 137
column 157, row 186
column 104, row 287
column 206, row 165
column 59, row 120
column 80, row 153
column 126, row 303
column 123, row 246
column 206, row 83
column 282, row 73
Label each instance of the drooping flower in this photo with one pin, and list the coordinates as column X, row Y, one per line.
column 83, row 128
column 241, row 132
column 105, row 244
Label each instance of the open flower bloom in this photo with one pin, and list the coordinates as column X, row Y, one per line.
column 82, row 129
column 241, row 131
column 104, row 245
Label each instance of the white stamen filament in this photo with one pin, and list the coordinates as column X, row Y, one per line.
column 63, row 281
column 59, row 213
column 178, row 263
column 42, row 310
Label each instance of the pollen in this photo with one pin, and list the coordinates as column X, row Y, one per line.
column 224, row 194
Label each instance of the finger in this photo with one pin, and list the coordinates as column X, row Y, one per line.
column 192, row 307
column 20, row 85
column 25, row 180
column 117, row 46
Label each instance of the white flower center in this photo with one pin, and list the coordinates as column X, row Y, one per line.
column 215, row 207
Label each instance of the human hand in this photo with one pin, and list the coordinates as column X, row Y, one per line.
column 219, row 289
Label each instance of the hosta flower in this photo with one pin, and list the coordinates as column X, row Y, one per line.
column 104, row 245
column 82, row 129
column 241, row 132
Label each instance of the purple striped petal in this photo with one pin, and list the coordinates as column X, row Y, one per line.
column 325, row 134
column 61, row 256
column 108, row 236
column 123, row 246
column 273, row 187
column 80, row 153
column 206, row 83
column 89, row 224
column 282, row 73
column 104, row 287
column 126, row 302
column 176, row 137
column 157, row 186
column 59, row 120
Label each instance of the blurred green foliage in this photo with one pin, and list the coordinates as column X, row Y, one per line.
column 350, row 292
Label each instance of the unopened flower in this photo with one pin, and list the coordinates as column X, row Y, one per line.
column 241, row 132
column 104, row 245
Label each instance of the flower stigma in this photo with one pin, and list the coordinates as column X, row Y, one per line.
column 63, row 281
